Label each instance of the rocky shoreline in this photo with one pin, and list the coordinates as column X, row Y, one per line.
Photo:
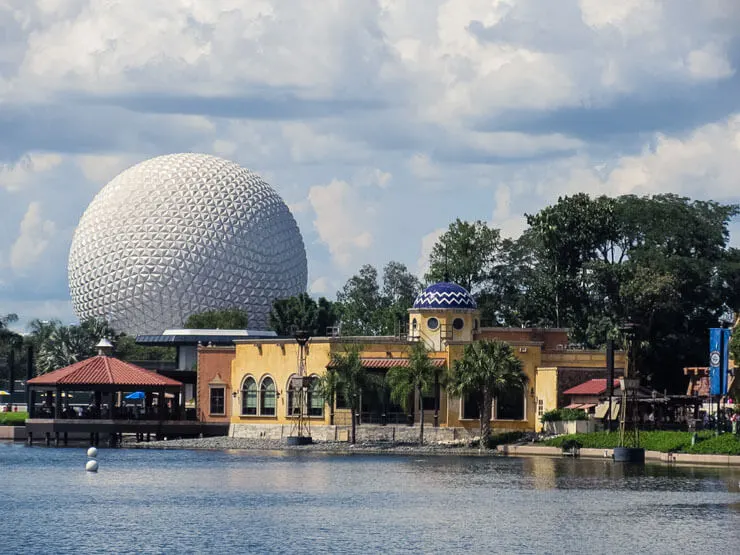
column 224, row 443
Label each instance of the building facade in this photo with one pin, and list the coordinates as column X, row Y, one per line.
column 255, row 377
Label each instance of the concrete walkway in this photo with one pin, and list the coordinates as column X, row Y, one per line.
column 654, row 456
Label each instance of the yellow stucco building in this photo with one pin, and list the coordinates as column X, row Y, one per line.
column 259, row 399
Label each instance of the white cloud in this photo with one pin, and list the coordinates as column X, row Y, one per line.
column 33, row 239
column 101, row 168
column 709, row 63
column 319, row 286
column 705, row 163
column 14, row 177
column 427, row 244
column 342, row 221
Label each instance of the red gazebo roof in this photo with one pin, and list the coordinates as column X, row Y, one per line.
column 104, row 370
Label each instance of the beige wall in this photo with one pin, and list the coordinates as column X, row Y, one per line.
column 546, row 390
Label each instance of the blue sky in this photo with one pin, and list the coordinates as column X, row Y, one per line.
column 378, row 121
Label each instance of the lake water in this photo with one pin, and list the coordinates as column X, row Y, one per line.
column 147, row 501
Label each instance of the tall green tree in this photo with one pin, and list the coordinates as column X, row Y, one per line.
column 223, row 319
column 360, row 304
column 660, row 261
column 412, row 381
column 301, row 312
column 466, row 254
column 487, row 369
column 367, row 307
column 400, row 288
column 352, row 380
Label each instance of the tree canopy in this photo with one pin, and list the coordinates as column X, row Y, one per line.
column 224, row 319
column 591, row 264
column 301, row 312
column 367, row 307
column 465, row 254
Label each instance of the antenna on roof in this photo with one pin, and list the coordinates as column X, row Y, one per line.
column 447, row 269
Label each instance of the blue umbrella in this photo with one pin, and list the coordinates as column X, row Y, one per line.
column 136, row 395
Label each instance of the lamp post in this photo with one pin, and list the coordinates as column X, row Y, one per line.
column 629, row 449
column 300, row 434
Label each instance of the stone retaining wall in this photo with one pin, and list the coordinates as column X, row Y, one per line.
column 364, row 432
column 13, row 432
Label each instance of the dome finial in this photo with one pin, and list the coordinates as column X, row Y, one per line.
column 105, row 347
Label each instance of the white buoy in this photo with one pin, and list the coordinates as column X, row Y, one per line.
column 92, row 452
column 92, row 465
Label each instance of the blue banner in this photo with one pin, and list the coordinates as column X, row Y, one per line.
column 719, row 355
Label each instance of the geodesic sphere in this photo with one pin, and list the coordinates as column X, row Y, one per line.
column 182, row 234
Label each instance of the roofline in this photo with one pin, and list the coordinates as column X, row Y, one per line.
column 338, row 339
column 514, row 328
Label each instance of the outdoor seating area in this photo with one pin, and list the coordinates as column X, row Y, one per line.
column 104, row 395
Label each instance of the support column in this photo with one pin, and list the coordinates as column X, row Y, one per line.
column 436, row 399
column 31, row 402
column 58, row 403
column 162, row 408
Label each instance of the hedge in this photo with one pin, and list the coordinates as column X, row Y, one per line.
column 13, row 418
column 663, row 441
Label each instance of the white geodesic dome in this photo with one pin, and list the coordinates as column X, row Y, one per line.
column 181, row 234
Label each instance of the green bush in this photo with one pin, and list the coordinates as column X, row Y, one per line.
column 13, row 418
column 665, row 442
column 724, row 444
column 503, row 438
column 557, row 415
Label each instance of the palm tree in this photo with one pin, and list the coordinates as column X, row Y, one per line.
column 328, row 387
column 487, row 369
column 59, row 345
column 415, row 378
column 352, row 380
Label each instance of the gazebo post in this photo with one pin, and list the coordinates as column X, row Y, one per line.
column 32, row 403
column 58, row 402
column 147, row 404
column 162, row 404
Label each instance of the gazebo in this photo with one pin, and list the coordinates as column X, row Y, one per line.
column 107, row 380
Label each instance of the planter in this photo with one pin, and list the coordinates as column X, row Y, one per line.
column 629, row 455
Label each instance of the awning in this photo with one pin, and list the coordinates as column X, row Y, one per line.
column 601, row 410
column 588, row 406
column 615, row 411
column 574, row 406
column 392, row 362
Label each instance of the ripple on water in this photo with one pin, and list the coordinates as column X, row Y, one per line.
column 147, row 501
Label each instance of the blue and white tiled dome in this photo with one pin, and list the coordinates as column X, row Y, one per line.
column 445, row 295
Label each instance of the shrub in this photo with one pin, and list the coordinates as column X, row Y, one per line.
column 724, row 444
column 557, row 415
column 663, row 441
column 494, row 440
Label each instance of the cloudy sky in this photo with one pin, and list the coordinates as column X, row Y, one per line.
column 378, row 121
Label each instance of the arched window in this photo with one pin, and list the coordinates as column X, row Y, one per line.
column 249, row 397
column 315, row 401
column 267, row 398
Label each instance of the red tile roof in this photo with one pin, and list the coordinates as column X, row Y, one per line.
column 104, row 370
column 597, row 386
